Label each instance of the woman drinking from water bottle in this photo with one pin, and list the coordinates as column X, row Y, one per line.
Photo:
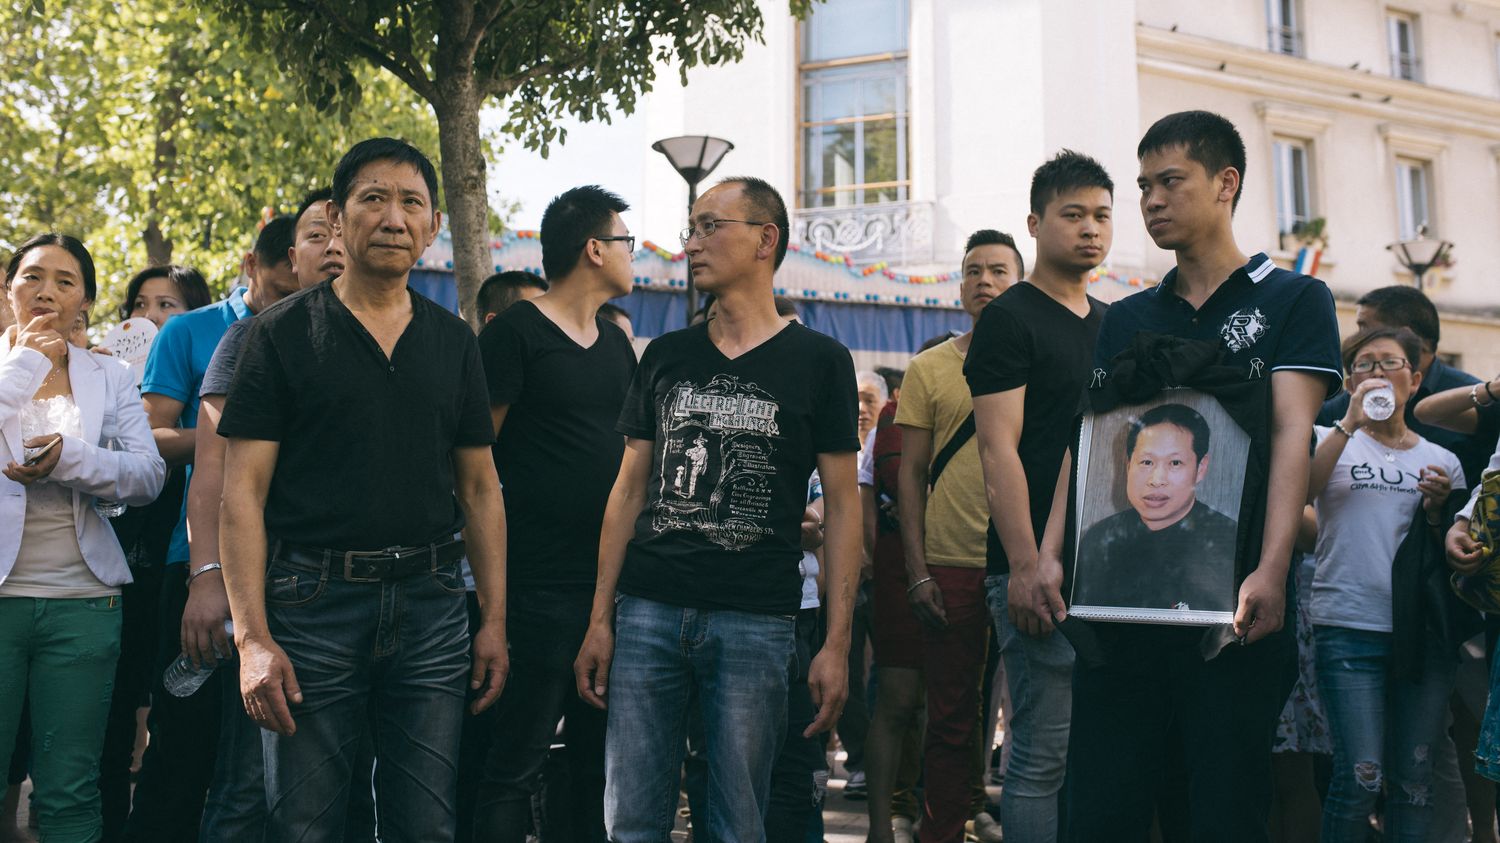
column 61, row 567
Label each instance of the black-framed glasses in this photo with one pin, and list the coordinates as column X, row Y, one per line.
column 706, row 229
column 1389, row 364
column 628, row 238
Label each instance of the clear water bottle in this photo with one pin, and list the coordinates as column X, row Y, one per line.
column 110, row 509
column 181, row 679
column 1380, row 403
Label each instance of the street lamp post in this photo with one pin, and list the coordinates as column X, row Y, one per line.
column 1420, row 254
column 693, row 157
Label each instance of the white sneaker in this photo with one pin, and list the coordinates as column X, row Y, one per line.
column 855, row 788
column 986, row 830
column 901, row 830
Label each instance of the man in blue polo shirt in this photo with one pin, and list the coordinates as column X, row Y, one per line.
column 1152, row 692
column 179, row 760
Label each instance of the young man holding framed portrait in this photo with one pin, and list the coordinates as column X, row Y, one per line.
column 1152, row 688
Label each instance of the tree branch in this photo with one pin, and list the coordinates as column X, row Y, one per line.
column 494, row 86
column 398, row 61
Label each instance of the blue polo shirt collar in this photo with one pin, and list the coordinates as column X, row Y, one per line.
column 1253, row 272
column 237, row 303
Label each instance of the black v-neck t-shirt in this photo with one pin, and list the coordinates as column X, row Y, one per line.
column 734, row 444
column 366, row 441
column 1026, row 338
column 558, row 452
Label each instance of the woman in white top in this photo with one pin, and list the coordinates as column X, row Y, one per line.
column 1370, row 479
column 61, row 567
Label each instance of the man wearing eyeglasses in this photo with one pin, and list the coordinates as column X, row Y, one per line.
column 699, row 582
column 557, row 377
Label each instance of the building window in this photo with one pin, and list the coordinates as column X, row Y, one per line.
column 1292, row 164
column 1414, row 196
column 1401, row 34
column 1284, row 34
column 854, row 119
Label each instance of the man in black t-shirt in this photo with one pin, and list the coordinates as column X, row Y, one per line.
column 1154, row 686
column 359, row 443
column 557, row 373
column 1027, row 367
column 702, row 534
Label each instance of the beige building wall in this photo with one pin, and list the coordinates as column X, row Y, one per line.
column 1342, row 99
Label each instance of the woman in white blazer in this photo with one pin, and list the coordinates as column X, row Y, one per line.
column 61, row 567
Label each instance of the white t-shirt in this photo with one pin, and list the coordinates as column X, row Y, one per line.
column 867, row 461
column 1364, row 514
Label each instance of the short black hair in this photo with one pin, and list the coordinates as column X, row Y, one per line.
column 610, row 310
column 1208, row 139
column 1181, row 415
column 501, row 290
column 1405, row 307
column 191, row 286
column 570, row 220
column 991, row 237
column 274, row 243
column 785, row 307
column 72, row 245
column 767, row 205
column 1065, row 172
column 893, row 377
column 381, row 149
column 1409, row 341
column 322, row 194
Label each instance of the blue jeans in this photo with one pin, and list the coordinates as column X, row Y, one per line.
column 1039, row 672
column 1487, row 754
column 388, row 658
column 737, row 665
column 235, row 809
column 1385, row 732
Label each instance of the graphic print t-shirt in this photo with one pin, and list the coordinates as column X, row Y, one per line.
column 1363, row 514
column 735, row 441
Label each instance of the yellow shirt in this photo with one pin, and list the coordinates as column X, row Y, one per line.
column 935, row 397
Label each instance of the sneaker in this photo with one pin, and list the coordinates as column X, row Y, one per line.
column 986, row 830
column 901, row 830
column 855, row 788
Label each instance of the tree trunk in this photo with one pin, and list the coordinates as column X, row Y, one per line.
column 465, row 194
column 158, row 247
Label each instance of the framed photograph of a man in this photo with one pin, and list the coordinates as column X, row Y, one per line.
column 1159, row 491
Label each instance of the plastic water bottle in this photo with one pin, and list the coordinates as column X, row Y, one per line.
column 181, row 679
column 1380, row 403
column 110, row 509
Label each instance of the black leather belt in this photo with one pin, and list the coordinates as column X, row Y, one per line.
column 392, row 563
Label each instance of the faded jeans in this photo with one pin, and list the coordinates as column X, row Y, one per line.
column 1385, row 732
column 737, row 665
column 388, row 658
column 1039, row 672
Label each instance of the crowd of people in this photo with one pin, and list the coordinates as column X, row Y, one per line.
column 377, row 578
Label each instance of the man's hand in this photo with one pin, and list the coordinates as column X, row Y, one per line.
column 1034, row 596
column 591, row 668
column 268, row 684
column 828, row 682
column 927, row 604
column 203, row 637
column 28, row 474
column 1262, row 606
column 491, row 666
column 1464, row 554
column 812, row 529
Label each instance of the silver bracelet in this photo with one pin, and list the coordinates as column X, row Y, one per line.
column 922, row 581
column 212, row 566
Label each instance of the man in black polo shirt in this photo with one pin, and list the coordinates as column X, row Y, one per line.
column 359, row 436
column 1152, row 687
column 557, row 374
column 725, row 420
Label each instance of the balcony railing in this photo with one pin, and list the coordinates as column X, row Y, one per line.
column 896, row 232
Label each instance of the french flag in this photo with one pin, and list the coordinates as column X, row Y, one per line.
column 1307, row 260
